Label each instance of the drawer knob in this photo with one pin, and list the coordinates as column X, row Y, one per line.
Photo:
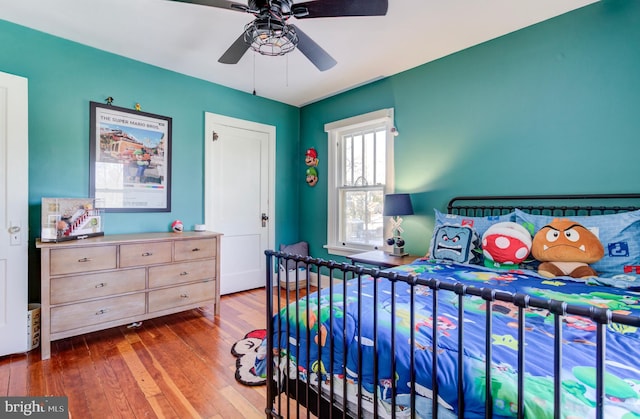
column 184, row 295
column 147, row 254
column 84, row 260
column 101, row 285
column 184, row 273
column 101, row 311
column 195, row 250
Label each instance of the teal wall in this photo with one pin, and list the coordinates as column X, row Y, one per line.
column 553, row 108
column 65, row 76
column 549, row 109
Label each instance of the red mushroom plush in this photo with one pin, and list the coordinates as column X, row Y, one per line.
column 505, row 245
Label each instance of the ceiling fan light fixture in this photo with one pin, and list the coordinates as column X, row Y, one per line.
column 270, row 36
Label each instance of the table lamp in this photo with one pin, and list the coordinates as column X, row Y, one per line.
column 395, row 205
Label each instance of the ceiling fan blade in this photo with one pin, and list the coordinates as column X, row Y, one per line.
column 235, row 51
column 314, row 52
column 336, row 8
column 222, row 4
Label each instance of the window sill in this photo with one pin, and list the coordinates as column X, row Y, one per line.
column 348, row 251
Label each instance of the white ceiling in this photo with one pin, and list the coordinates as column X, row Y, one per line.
column 189, row 38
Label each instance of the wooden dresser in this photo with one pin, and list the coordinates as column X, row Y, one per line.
column 107, row 281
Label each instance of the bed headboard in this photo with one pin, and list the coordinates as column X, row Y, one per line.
column 560, row 205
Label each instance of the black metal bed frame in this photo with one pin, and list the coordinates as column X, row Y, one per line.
column 561, row 205
column 286, row 397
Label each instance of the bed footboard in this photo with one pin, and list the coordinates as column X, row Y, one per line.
column 367, row 345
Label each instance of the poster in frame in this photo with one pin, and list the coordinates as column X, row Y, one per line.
column 129, row 159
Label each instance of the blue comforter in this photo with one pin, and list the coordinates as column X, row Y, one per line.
column 622, row 379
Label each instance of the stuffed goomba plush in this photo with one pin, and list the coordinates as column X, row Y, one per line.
column 566, row 248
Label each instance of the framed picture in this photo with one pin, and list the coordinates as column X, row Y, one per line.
column 129, row 159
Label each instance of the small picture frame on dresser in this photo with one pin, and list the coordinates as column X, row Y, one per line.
column 70, row 219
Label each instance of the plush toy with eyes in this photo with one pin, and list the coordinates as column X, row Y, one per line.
column 505, row 245
column 454, row 242
column 177, row 226
column 566, row 248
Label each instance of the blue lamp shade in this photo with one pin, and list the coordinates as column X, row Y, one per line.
column 397, row 204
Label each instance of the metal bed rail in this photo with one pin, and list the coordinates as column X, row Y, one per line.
column 561, row 205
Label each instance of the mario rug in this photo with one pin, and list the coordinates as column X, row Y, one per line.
column 247, row 351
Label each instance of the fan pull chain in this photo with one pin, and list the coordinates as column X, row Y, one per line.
column 254, row 73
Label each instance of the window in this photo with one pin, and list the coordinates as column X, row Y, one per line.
column 360, row 172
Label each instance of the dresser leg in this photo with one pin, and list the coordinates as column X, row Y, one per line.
column 45, row 349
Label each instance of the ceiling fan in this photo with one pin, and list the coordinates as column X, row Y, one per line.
column 270, row 33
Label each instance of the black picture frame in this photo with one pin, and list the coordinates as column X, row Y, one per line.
column 129, row 159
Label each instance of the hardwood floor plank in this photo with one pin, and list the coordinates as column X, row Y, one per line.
column 133, row 395
column 176, row 392
column 163, row 407
column 94, row 394
column 202, row 365
column 18, row 381
column 201, row 345
column 35, row 375
column 102, row 346
column 178, row 380
column 71, row 377
column 146, row 383
column 5, row 375
column 246, row 410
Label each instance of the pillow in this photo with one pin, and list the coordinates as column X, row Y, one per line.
column 300, row 248
column 479, row 224
column 453, row 242
column 619, row 234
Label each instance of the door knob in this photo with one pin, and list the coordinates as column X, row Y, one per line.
column 264, row 218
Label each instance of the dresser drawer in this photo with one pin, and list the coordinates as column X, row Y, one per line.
column 95, row 312
column 181, row 295
column 195, row 249
column 140, row 254
column 85, row 287
column 178, row 273
column 82, row 259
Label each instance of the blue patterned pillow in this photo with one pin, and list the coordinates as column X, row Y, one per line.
column 479, row 224
column 619, row 234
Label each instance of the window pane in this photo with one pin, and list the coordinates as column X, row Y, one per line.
column 364, row 158
column 380, row 156
column 362, row 221
column 357, row 162
column 348, row 161
column 354, row 161
column 369, row 164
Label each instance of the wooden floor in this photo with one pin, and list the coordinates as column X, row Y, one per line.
column 177, row 366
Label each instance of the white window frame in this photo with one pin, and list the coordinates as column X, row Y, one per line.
column 335, row 131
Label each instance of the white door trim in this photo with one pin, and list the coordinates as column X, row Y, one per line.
column 211, row 120
column 14, row 138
